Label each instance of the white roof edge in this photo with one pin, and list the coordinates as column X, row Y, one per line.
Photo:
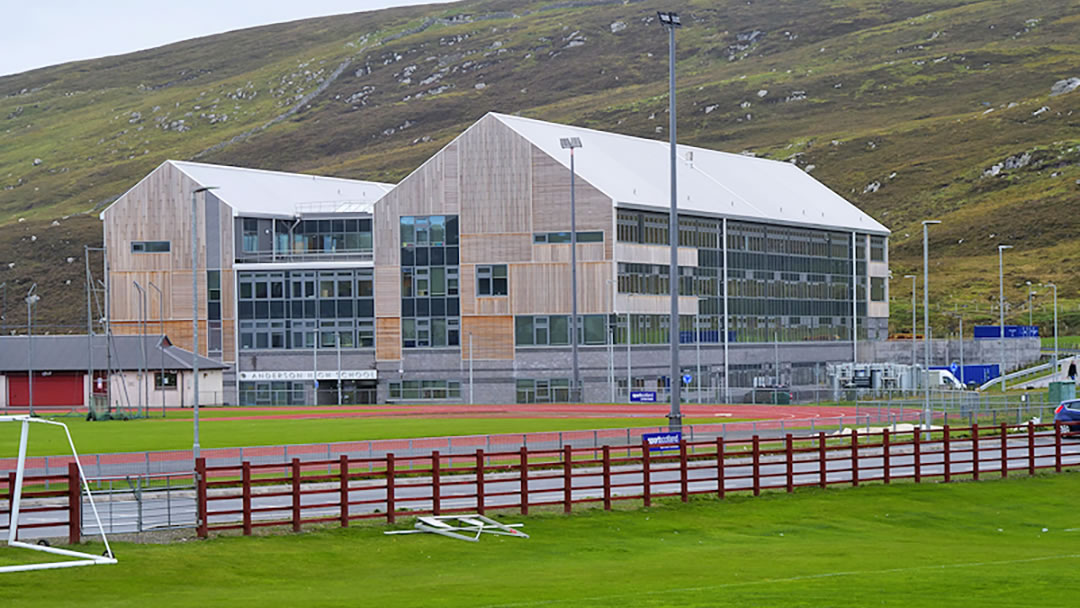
column 180, row 164
column 753, row 220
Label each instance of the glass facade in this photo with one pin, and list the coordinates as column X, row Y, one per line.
column 431, row 390
column 430, row 282
column 288, row 310
column 264, row 239
column 784, row 283
column 554, row 330
column 548, row 390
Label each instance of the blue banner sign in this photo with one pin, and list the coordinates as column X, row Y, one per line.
column 662, row 442
column 1011, row 331
column 642, row 396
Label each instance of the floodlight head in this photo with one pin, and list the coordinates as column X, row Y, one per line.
column 669, row 19
column 910, row 276
column 928, row 222
column 570, row 142
column 1004, row 247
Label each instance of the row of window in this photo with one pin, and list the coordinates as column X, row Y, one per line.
column 596, row 236
column 554, row 330
column 306, row 236
column 341, row 294
column 652, row 279
column 418, row 390
column 422, row 231
column 297, row 334
column 430, row 332
column 150, row 246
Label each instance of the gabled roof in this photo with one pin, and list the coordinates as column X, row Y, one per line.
column 70, row 353
column 261, row 192
column 635, row 172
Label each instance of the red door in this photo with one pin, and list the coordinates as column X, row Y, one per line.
column 58, row 388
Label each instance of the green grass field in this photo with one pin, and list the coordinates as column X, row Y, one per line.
column 176, row 433
column 999, row 543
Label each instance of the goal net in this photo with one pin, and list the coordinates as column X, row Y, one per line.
column 74, row 558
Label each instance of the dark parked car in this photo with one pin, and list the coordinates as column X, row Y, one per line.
column 1069, row 413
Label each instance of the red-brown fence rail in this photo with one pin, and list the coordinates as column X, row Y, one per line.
column 39, row 507
column 384, row 488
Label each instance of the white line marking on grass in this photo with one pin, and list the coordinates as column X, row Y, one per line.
column 790, row 579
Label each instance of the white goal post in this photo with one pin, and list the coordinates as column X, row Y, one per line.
column 80, row 559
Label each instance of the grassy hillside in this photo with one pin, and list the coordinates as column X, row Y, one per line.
column 903, row 107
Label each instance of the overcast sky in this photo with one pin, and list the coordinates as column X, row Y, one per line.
column 39, row 33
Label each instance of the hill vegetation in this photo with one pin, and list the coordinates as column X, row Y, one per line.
column 913, row 109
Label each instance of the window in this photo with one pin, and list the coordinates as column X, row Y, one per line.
column 554, row 330
column 430, row 281
column 877, row 249
column 425, row 390
column 564, row 237
column 150, row 246
column 491, row 280
column 877, row 289
column 251, row 234
column 166, row 381
column 548, row 390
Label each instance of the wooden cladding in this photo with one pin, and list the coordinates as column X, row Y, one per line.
column 551, row 198
column 496, row 248
column 495, row 179
column 387, row 291
column 545, row 288
column 586, row 252
column 388, row 339
column 492, row 338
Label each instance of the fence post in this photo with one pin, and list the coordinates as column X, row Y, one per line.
column 757, row 466
column 917, row 438
column 1057, row 446
column 296, row 494
column 607, row 478
column 646, row 473
column 391, row 516
column 245, row 468
column 568, row 479
column 720, row 467
column 886, row 466
column 790, row 456
column 202, row 514
column 480, row 481
column 975, row 457
column 946, row 453
column 74, row 505
column 343, row 470
column 1031, row 448
column 1004, row 451
column 436, row 481
column 822, row 462
column 524, row 461
column 854, row 457
column 684, row 473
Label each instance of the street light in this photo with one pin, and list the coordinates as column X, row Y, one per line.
column 161, row 346
column 31, row 299
column 914, row 319
column 926, row 316
column 570, row 143
column 1053, row 378
column 1001, row 307
column 195, row 310
column 671, row 22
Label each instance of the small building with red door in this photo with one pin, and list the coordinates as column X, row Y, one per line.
column 126, row 371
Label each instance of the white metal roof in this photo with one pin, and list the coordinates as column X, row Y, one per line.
column 635, row 171
column 256, row 191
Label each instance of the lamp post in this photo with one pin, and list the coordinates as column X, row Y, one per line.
column 914, row 320
column 1030, row 293
column 144, row 390
column 161, row 345
column 1053, row 378
column 570, row 143
column 195, row 312
column 612, row 325
column 671, row 22
column 926, row 316
column 1001, row 307
column 3, row 309
column 31, row 299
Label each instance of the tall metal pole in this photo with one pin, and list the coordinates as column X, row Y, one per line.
column 914, row 321
column 337, row 341
column 3, row 309
column 143, row 390
column 161, row 345
column 471, row 402
column 727, row 386
column 671, row 22
column 697, row 353
column 962, row 380
column 1053, row 378
column 195, row 313
column 926, row 316
column 89, row 334
column 854, row 300
column 629, row 371
column 31, row 299
column 576, row 391
column 1001, row 307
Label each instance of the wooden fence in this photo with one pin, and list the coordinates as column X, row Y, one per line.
column 385, row 488
column 39, row 496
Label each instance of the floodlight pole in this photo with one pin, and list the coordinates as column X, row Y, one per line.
column 3, row 309
column 1053, row 377
column 1001, row 306
column 914, row 319
column 926, row 317
column 144, row 391
column 569, row 143
column 671, row 22
column 195, row 312
column 161, row 346
column 31, row 299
